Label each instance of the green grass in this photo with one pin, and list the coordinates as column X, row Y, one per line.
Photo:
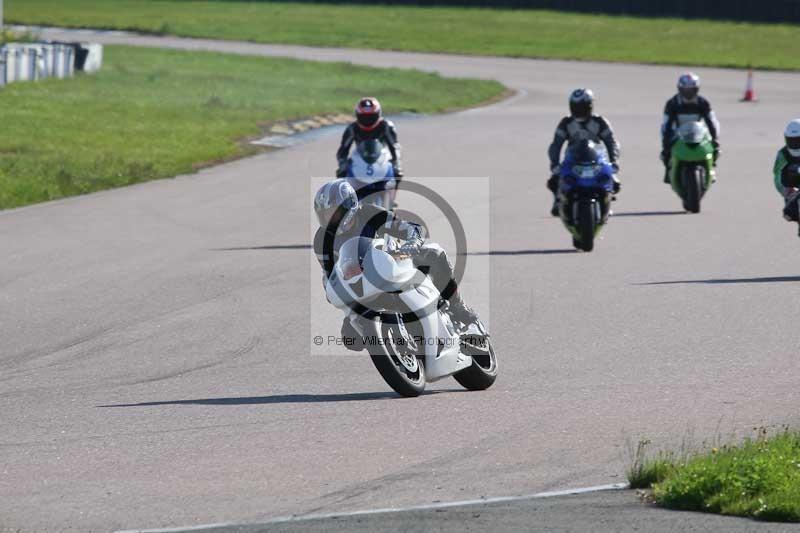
column 526, row 33
column 157, row 113
column 646, row 471
column 8, row 36
column 759, row 478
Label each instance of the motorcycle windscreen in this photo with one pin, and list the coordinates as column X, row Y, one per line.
column 589, row 171
column 692, row 133
column 352, row 252
column 380, row 269
column 370, row 150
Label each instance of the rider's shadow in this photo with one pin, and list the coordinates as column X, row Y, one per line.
column 725, row 281
column 281, row 399
column 266, row 247
column 554, row 251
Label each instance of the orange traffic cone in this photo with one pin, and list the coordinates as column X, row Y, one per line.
column 749, row 92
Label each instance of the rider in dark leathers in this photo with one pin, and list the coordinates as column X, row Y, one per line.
column 686, row 106
column 342, row 217
column 581, row 125
column 369, row 125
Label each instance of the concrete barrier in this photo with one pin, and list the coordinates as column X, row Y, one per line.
column 34, row 61
column 94, row 57
column 10, row 55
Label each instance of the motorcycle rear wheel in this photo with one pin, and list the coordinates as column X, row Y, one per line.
column 482, row 373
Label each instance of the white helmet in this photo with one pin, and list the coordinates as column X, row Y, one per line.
column 336, row 205
column 792, row 136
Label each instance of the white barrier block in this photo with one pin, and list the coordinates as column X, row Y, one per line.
column 94, row 59
column 3, row 61
column 11, row 65
column 33, row 61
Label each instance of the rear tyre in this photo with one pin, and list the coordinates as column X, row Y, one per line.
column 480, row 375
column 586, row 224
column 399, row 365
column 692, row 188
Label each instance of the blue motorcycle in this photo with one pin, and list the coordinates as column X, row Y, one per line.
column 586, row 189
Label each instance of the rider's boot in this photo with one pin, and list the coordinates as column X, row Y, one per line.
column 554, row 211
column 790, row 209
column 665, row 160
column 552, row 185
column 461, row 311
column 351, row 339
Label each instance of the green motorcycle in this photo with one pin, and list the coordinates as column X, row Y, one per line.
column 692, row 164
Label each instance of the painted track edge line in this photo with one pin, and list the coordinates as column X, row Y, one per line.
column 424, row 507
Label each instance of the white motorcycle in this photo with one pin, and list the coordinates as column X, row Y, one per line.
column 370, row 172
column 396, row 310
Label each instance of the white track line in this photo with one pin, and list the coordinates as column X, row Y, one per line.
column 425, row 507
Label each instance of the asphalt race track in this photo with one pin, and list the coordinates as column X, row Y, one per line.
column 155, row 367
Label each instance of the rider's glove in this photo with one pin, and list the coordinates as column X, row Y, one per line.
column 341, row 172
column 410, row 247
column 413, row 240
column 398, row 172
column 555, row 170
column 617, row 185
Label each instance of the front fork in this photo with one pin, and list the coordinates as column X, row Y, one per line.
column 676, row 167
column 569, row 205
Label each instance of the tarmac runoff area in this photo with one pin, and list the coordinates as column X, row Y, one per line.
column 595, row 510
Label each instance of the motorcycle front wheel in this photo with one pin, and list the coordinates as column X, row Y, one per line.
column 397, row 361
column 693, row 179
column 586, row 225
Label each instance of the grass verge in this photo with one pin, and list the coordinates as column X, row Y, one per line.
column 759, row 478
column 8, row 36
column 157, row 113
column 503, row 32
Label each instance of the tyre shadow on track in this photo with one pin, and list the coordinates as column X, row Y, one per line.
column 279, row 398
column 308, row 247
column 717, row 281
column 647, row 213
column 525, row 252
column 265, row 247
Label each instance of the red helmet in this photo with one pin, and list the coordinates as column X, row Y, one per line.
column 368, row 113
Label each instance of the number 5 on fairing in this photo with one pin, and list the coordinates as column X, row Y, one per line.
column 371, row 173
